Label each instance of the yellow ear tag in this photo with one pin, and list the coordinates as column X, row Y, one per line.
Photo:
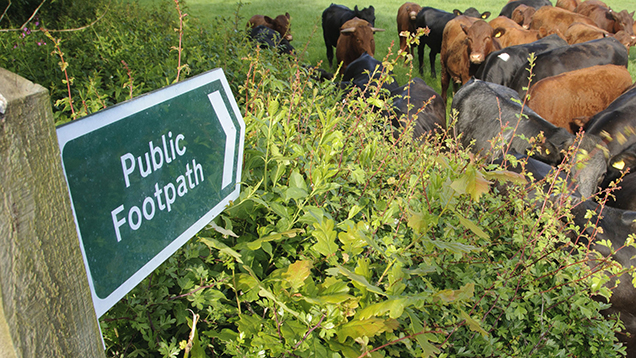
column 547, row 151
column 619, row 165
column 498, row 35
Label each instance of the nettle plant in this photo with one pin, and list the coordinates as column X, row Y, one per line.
column 346, row 242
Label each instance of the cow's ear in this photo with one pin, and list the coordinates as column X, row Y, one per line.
column 632, row 14
column 457, row 12
column 464, row 28
column 485, row 15
column 268, row 19
column 543, row 32
column 500, row 31
column 287, row 15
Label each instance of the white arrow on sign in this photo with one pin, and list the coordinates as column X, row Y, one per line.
column 230, row 134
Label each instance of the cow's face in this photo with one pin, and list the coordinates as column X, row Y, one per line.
column 282, row 25
column 412, row 10
column 522, row 15
column 623, row 21
column 480, row 41
column 361, row 34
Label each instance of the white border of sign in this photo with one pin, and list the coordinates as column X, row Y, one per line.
column 98, row 120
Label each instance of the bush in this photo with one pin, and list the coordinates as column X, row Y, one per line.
column 347, row 243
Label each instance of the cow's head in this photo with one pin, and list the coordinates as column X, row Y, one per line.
column 472, row 12
column 361, row 34
column 281, row 24
column 368, row 13
column 412, row 10
column 522, row 15
column 480, row 41
column 623, row 21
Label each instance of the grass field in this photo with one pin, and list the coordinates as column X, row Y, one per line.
column 307, row 29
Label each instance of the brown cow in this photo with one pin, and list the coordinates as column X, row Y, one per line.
column 356, row 38
column 509, row 33
column 522, row 15
column 557, row 20
column 407, row 13
column 465, row 44
column 578, row 32
column 606, row 18
column 569, row 5
column 280, row 24
column 563, row 99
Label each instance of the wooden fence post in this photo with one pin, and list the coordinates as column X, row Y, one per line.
column 45, row 302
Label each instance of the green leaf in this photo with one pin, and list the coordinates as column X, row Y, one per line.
column 256, row 244
column 326, row 237
column 216, row 244
column 453, row 247
column 395, row 308
column 296, row 180
column 353, row 239
column 360, row 280
column 280, row 210
column 472, row 226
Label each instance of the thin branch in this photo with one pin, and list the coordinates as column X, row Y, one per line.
column 33, row 15
column 311, row 330
column 60, row 30
column 5, row 11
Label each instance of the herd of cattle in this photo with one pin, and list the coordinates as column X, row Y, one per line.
column 537, row 68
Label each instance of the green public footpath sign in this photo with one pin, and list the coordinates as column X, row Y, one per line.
column 146, row 175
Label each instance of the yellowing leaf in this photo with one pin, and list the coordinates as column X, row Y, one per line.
column 472, row 182
column 506, row 175
column 472, row 324
column 472, row 226
column 366, row 328
column 297, row 273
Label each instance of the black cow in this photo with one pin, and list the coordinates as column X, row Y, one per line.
column 501, row 66
column 624, row 197
column 617, row 126
column 365, row 72
column 603, row 51
column 542, row 179
column 512, row 5
column 420, row 100
column 436, row 20
column 488, row 111
column 268, row 37
column 617, row 225
column 334, row 17
column 617, row 164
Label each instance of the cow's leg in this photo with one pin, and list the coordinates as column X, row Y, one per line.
column 431, row 57
column 445, row 82
column 420, row 55
column 330, row 54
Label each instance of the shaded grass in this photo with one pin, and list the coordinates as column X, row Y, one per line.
column 307, row 29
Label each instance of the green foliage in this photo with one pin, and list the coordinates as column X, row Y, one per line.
column 344, row 242
column 130, row 51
